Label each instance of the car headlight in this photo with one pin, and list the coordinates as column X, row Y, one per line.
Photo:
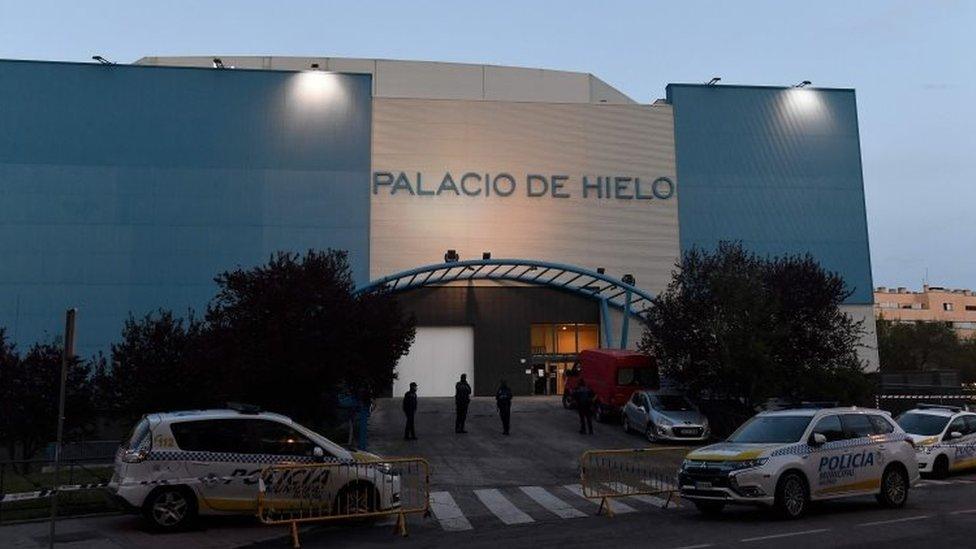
column 747, row 464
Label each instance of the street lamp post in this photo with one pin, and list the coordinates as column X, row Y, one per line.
column 68, row 354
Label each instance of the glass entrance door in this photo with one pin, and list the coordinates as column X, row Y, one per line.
column 555, row 348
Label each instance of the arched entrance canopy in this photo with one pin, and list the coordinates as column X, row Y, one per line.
column 609, row 291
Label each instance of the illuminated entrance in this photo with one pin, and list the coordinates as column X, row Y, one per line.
column 555, row 348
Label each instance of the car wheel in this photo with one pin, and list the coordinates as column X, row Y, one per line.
column 894, row 488
column 649, row 433
column 792, row 496
column 710, row 508
column 170, row 509
column 358, row 498
column 567, row 401
column 940, row 469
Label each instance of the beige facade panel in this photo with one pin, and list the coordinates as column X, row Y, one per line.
column 429, row 80
column 868, row 350
column 433, row 138
column 520, row 84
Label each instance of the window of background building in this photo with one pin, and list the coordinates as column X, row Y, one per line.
column 947, row 306
column 971, row 307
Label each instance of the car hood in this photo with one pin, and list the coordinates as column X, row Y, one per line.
column 731, row 451
column 691, row 417
column 924, row 440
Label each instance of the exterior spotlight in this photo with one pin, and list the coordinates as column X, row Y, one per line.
column 217, row 63
column 451, row 256
column 102, row 60
column 600, row 270
column 315, row 66
column 485, row 255
column 803, row 84
column 628, row 279
column 713, row 81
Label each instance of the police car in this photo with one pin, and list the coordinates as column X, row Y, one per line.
column 945, row 438
column 177, row 465
column 788, row 458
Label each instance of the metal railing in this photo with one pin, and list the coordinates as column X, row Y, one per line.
column 608, row 474
column 26, row 487
column 301, row 493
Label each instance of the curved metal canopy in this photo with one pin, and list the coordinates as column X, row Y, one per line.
column 610, row 291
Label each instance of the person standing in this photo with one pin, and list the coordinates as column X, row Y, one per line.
column 503, row 399
column 364, row 403
column 409, row 409
column 462, row 397
column 583, row 396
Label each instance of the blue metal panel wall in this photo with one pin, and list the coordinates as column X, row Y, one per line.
column 776, row 168
column 128, row 188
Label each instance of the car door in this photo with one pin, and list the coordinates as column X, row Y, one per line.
column 823, row 463
column 865, row 457
column 957, row 446
column 219, row 459
column 965, row 452
column 635, row 415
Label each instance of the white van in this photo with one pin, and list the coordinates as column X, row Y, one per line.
column 177, row 465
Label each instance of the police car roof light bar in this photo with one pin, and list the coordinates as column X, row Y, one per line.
column 926, row 406
column 244, row 408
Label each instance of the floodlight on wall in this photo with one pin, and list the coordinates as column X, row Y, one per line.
column 102, row 60
column 803, row 84
column 486, row 255
column 628, row 279
column 451, row 257
column 601, row 270
column 315, row 66
column 713, row 81
column 218, row 63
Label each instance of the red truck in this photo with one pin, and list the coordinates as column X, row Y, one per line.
column 613, row 375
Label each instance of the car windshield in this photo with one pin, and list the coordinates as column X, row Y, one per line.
column 639, row 377
column 922, row 424
column 771, row 429
column 671, row 403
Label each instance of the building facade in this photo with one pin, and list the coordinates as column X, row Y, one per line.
column 127, row 187
column 956, row 308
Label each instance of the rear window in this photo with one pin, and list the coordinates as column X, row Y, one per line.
column 213, row 435
column 637, row 377
column 139, row 437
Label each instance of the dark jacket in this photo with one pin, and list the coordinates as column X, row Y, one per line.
column 462, row 392
column 503, row 397
column 410, row 402
column 583, row 396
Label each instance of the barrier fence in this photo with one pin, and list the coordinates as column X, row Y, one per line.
column 608, row 474
column 302, row 493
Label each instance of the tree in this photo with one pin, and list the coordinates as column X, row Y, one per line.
column 29, row 392
column 732, row 324
column 918, row 347
column 283, row 335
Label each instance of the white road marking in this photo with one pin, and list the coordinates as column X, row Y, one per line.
column 656, row 501
column 786, row 535
column 501, row 507
column 447, row 512
column 963, row 512
column 695, row 546
column 553, row 504
column 892, row 521
column 617, row 506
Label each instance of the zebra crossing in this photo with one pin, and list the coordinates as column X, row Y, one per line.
column 466, row 510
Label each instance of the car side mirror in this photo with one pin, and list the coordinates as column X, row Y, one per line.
column 643, row 408
column 817, row 439
column 954, row 434
column 318, row 452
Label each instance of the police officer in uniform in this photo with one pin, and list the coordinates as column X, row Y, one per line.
column 462, row 397
column 503, row 399
column 409, row 409
column 583, row 396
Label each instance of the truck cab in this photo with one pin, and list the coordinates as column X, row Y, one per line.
column 613, row 375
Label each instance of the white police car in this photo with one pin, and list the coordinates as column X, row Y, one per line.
column 788, row 458
column 177, row 465
column 945, row 437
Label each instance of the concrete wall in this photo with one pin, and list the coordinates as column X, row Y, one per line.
column 434, row 137
column 124, row 189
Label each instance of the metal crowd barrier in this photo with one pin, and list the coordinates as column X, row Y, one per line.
column 607, row 474
column 301, row 493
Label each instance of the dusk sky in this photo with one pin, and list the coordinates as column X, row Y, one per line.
column 913, row 65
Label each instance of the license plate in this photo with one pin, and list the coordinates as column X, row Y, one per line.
column 703, row 485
